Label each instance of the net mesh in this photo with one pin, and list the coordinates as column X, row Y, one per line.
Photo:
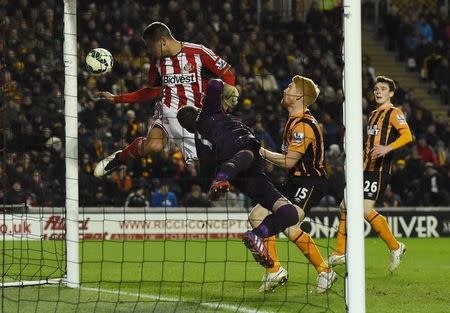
column 32, row 161
column 142, row 248
column 27, row 257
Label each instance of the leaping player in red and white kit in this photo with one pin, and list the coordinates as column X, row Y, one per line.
column 175, row 75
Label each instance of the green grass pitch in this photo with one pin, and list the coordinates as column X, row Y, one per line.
column 173, row 276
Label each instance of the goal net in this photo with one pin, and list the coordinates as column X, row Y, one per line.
column 149, row 237
column 29, row 258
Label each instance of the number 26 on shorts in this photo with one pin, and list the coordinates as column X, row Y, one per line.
column 370, row 186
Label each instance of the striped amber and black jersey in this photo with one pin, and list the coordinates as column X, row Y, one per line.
column 383, row 128
column 302, row 133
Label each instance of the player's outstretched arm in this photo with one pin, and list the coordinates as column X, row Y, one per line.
column 229, row 77
column 143, row 94
column 286, row 161
column 106, row 95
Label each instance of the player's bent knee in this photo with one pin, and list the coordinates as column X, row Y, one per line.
column 288, row 215
column 283, row 202
column 154, row 145
column 155, row 140
column 257, row 215
column 291, row 231
column 279, row 203
column 301, row 213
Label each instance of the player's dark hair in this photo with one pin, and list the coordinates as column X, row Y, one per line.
column 187, row 116
column 155, row 31
column 384, row 79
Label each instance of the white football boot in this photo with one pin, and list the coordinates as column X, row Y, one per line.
column 325, row 280
column 336, row 259
column 107, row 165
column 270, row 281
column 396, row 257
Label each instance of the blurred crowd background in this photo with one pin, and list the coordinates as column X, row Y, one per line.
column 265, row 51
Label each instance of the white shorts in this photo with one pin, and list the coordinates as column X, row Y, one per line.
column 166, row 118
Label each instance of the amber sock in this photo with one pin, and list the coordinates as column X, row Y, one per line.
column 309, row 249
column 342, row 234
column 272, row 249
column 380, row 225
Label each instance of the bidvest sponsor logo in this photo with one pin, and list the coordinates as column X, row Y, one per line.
column 178, row 79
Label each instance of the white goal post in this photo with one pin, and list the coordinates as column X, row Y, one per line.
column 355, row 282
column 71, row 127
column 71, row 165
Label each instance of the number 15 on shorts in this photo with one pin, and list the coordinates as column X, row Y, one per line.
column 301, row 193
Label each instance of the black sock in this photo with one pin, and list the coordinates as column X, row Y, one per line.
column 277, row 222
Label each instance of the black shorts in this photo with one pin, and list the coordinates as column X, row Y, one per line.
column 306, row 191
column 375, row 184
column 255, row 184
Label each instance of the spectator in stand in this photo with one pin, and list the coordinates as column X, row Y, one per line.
column 47, row 165
column 163, row 197
column 335, row 169
column 133, row 126
column 15, row 195
column 418, row 121
column 442, row 80
column 433, row 187
column 89, row 116
column 228, row 200
column 263, row 136
column 100, row 198
column 137, row 198
column 399, row 180
column 425, row 29
column 424, row 49
column 392, row 21
column 331, row 130
column 123, row 182
column 415, row 168
column 196, row 198
column 38, row 188
column 265, row 80
column 442, row 154
column 22, row 177
column 425, row 151
column 391, row 199
column 431, row 136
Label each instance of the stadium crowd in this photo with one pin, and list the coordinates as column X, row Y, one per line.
column 264, row 57
column 421, row 37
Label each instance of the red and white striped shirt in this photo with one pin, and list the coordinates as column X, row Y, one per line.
column 181, row 77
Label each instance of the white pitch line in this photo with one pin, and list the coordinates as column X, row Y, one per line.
column 234, row 308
